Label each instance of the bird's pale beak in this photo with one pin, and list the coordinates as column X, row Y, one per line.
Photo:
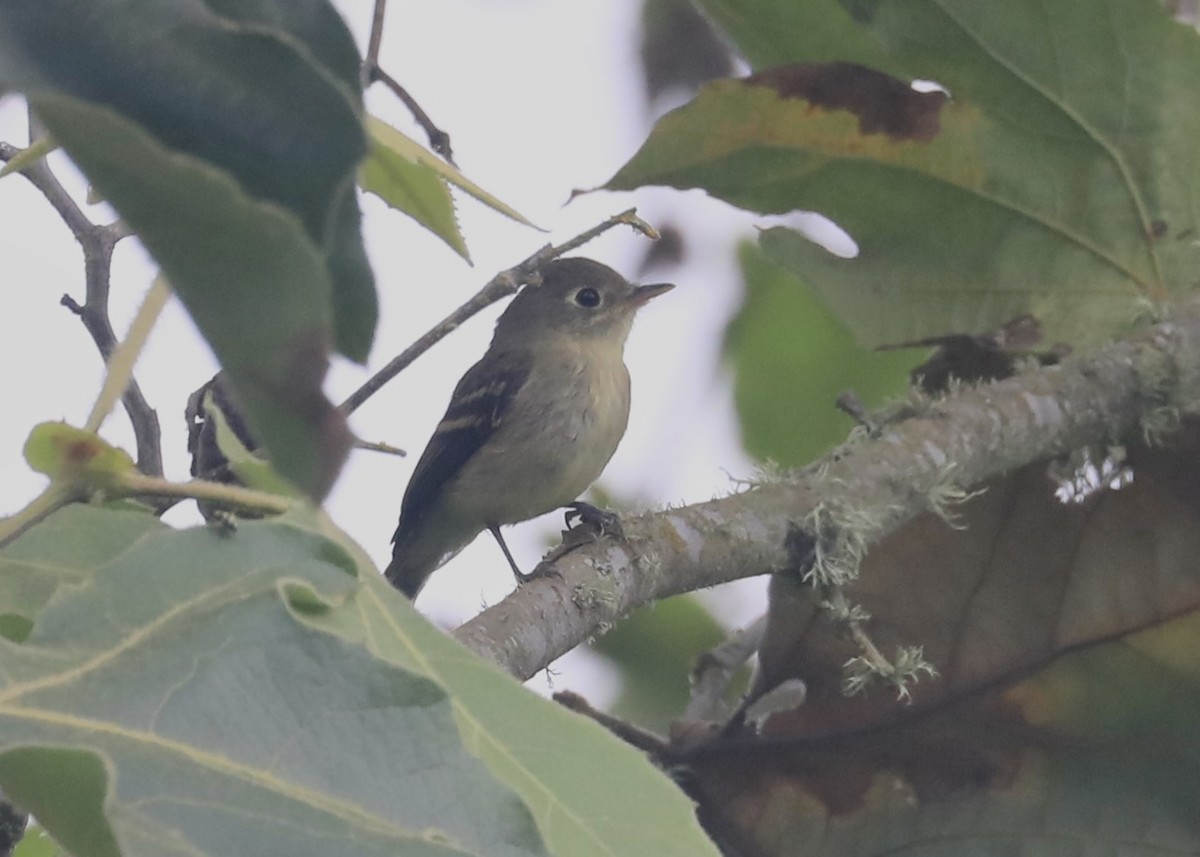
column 644, row 294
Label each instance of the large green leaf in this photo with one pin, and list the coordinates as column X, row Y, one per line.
column 227, row 136
column 1061, row 178
column 208, row 720
column 37, row 843
column 209, row 692
column 774, row 32
column 34, row 567
column 589, row 792
column 791, row 359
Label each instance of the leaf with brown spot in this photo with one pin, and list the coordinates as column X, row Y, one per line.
column 883, row 104
column 71, row 454
column 1059, row 179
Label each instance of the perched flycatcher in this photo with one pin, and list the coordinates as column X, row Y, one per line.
column 531, row 425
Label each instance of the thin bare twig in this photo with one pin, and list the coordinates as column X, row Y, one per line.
column 97, row 242
column 379, row 446
column 500, row 286
column 439, row 140
column 371, row 61
column 370, row 72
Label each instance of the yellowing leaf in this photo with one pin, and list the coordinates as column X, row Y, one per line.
column 388, row 139
column 66, row 453
column 413, row 188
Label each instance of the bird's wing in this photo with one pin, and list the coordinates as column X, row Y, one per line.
column 478, row 407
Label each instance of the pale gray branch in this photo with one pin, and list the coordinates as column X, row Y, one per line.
column 961, row 440
column 716, row 669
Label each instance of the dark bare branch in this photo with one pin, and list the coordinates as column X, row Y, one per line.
column 374, row 42
column 645, row 741
column 97, row 242
column 439, row 140
column 371, row 72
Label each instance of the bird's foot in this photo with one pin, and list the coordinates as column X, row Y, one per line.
column 592, row 519
column 585, row 524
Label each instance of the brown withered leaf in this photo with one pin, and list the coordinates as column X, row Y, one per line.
column 1067, row 636
column 883, row 104
column 1019, row 578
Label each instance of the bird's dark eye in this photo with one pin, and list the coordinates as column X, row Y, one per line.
column 588, row 298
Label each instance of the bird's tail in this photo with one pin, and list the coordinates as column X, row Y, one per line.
column 408, row 577
column 405, row 577
column 419, row 551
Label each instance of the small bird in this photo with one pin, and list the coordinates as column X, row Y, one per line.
column 531, row 425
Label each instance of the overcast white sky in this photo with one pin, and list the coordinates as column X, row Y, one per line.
column 539, row 98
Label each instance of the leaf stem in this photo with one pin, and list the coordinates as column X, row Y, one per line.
column 135, row 484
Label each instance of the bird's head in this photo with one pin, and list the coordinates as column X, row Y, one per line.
column 579, row 298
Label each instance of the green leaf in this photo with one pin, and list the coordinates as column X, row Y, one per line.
column 622, row 806
column 226, row 726
column 230, row 146
column 774, row 32
column 391, row 173
column 791, row 360
column 387, row 139
column 1056, row 181
column 266, row 692
column 590, row 793
column 35, row 566
column 37, row 843
column 69, row 786
column 312, row 28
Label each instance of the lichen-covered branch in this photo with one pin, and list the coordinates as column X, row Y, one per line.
column 911, row 466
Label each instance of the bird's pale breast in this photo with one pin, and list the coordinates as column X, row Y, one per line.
column 578, row 432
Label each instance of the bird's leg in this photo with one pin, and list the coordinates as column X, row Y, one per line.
column 542, row 570
column 494, row 529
